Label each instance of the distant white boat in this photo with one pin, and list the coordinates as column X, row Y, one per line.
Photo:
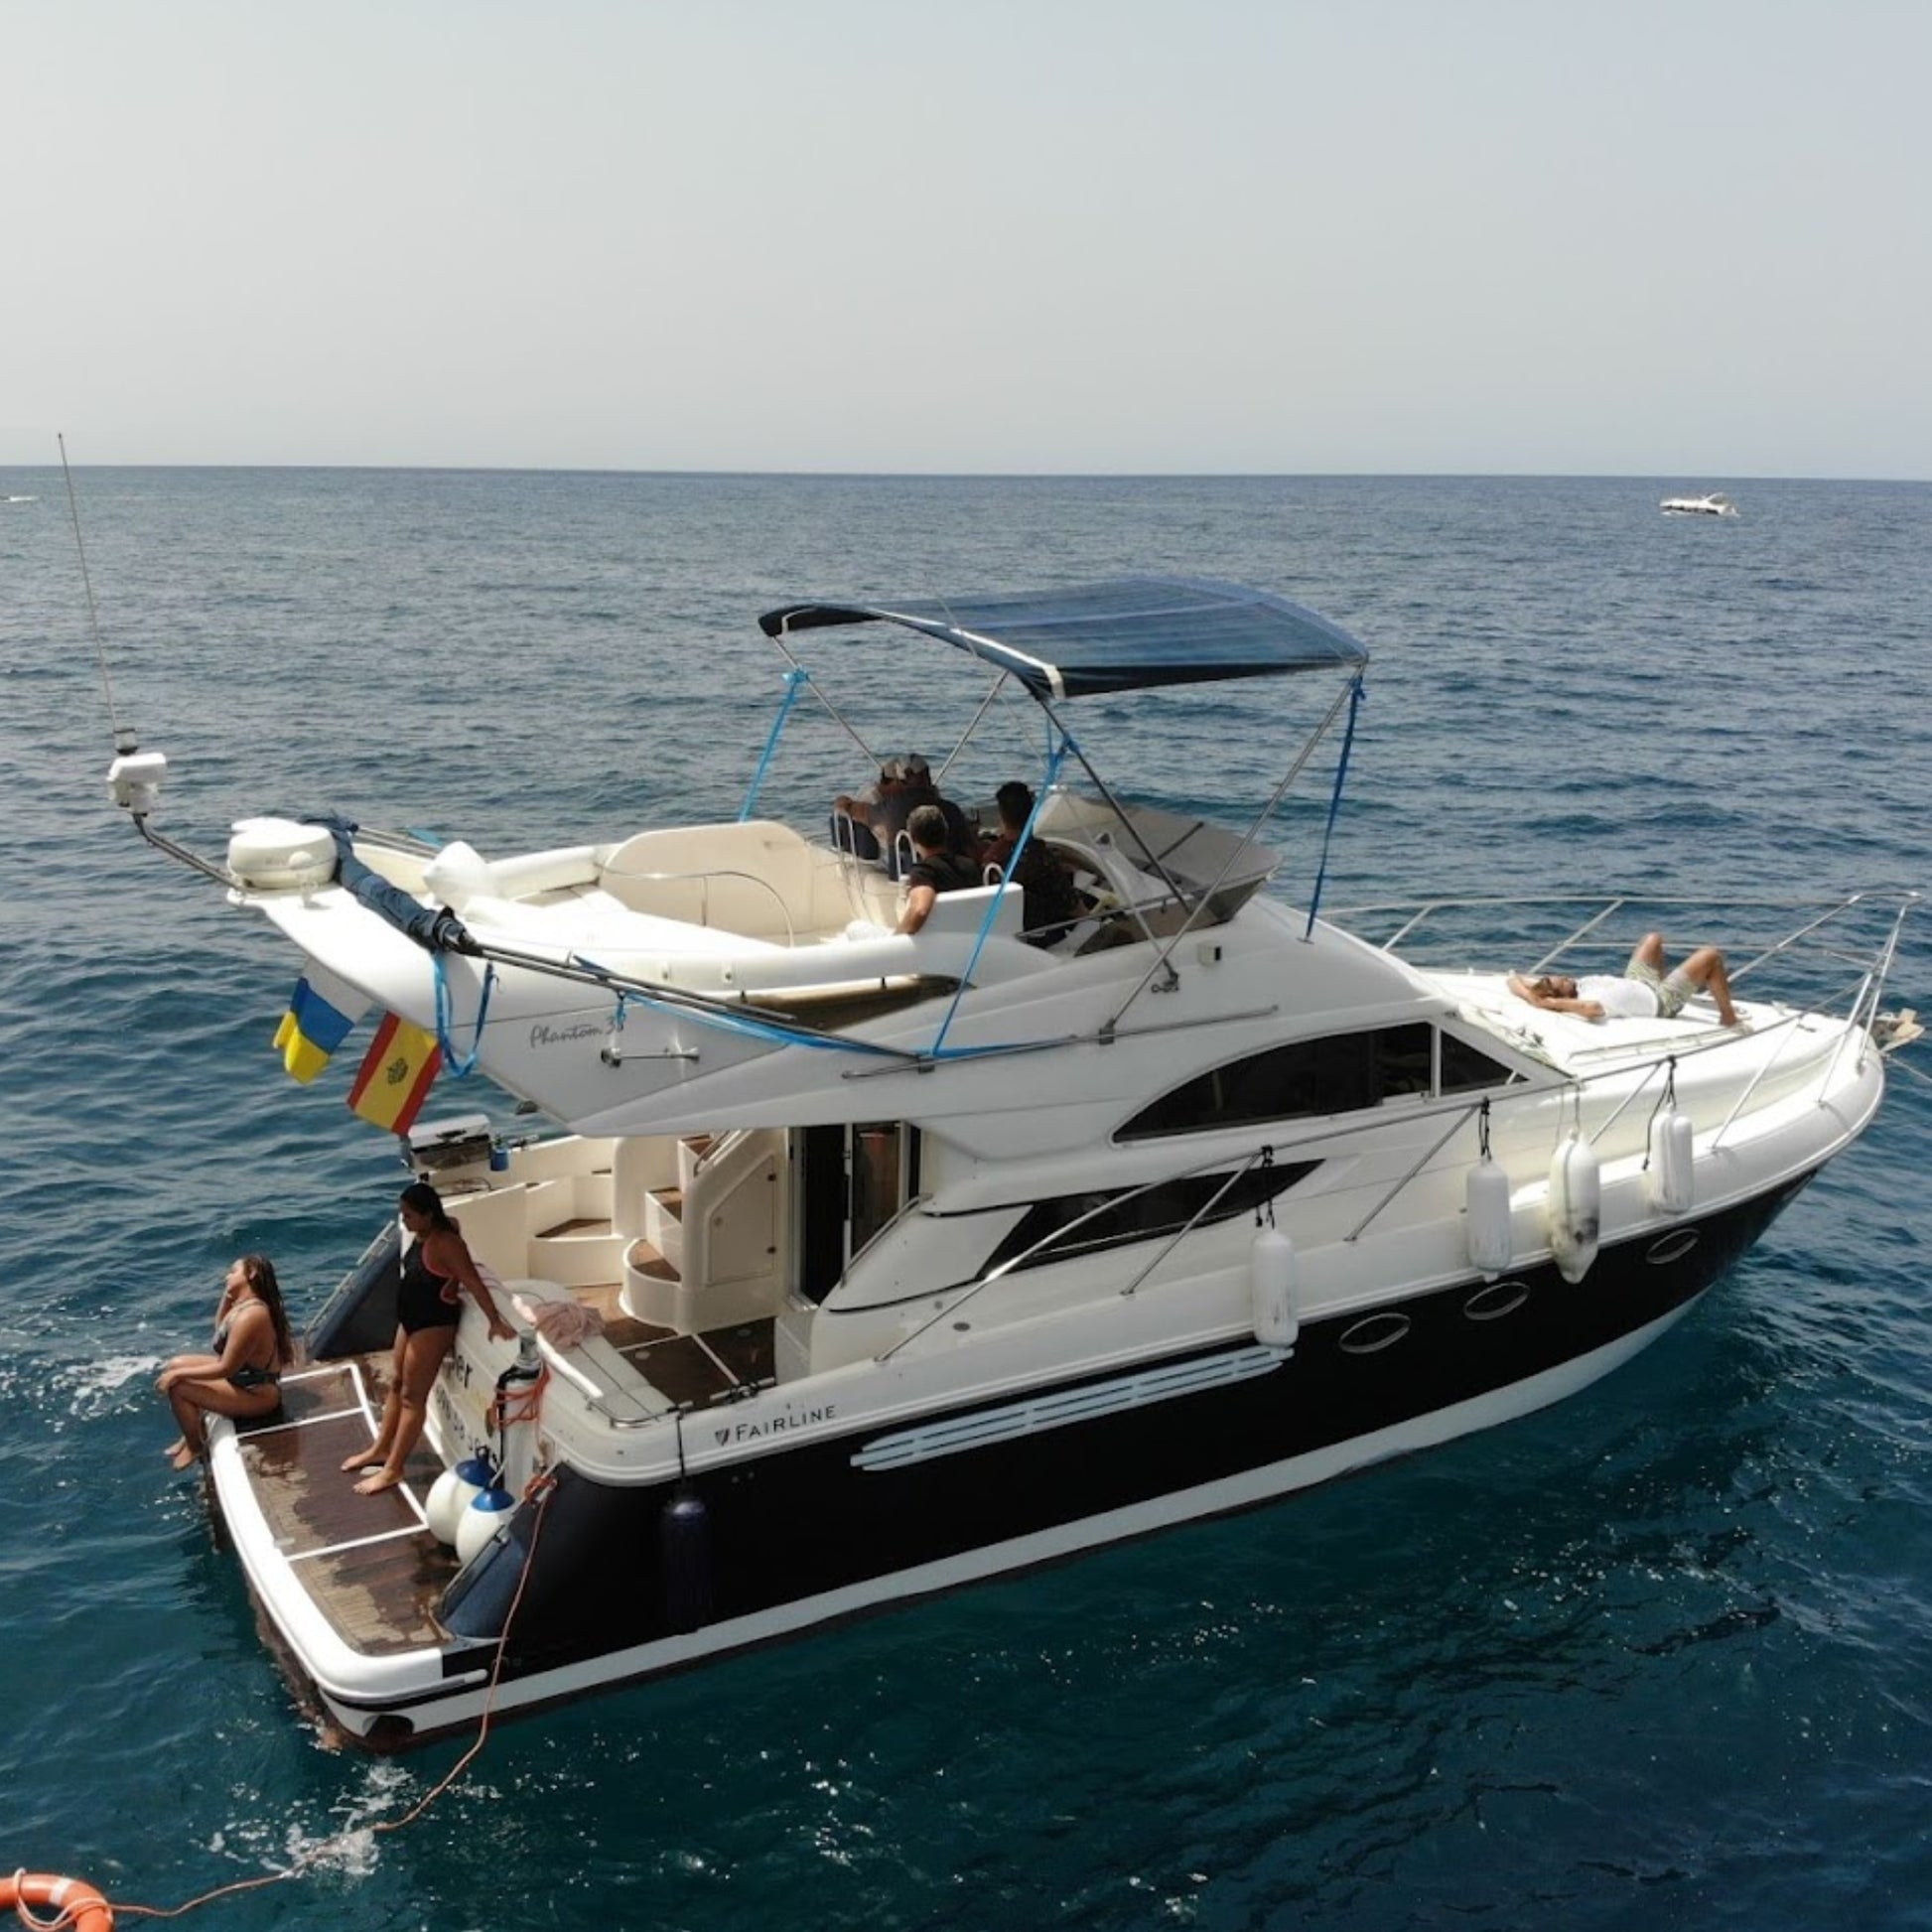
column 18, row 499
column 1712, row 503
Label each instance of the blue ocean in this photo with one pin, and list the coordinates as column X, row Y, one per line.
column 1659, row 1658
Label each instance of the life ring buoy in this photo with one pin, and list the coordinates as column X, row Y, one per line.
column 76, row 1901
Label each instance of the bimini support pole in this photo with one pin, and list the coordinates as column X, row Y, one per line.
column 831, row 710
column 1356, row 693
column 795, row 681
column 1056, row 757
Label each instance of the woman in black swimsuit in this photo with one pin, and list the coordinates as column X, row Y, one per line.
column 242, row 1376
column 436, row 1272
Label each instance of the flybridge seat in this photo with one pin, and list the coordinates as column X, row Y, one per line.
column 756, row 877
column 738, row 911
column 757, row 880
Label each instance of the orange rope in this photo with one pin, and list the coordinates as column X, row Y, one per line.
column 539, row 1491
column 525, row 1408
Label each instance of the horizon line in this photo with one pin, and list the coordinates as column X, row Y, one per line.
column 987, row 476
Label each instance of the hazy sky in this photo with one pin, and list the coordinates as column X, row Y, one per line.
column 1077, row 235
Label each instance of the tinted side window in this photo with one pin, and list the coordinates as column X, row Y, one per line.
column 1337, row 1075
column 1466, row 1067
column 1126, row 1218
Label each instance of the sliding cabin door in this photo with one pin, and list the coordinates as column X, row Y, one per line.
column 852, row 1181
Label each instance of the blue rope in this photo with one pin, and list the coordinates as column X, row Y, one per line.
column 1056, row 757
column 795, row 681
column 1355, row 696
column 461, row 1065
column 780, row 1036
column 731, row 1023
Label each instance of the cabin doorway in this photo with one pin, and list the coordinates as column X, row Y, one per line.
column 851, row 1181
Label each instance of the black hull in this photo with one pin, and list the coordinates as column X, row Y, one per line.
column 615, row 1570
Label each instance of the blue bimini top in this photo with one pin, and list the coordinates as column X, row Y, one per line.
column 1126, row 634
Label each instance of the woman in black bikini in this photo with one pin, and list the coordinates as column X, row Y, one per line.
column 242, row 1376
column 436, row 1272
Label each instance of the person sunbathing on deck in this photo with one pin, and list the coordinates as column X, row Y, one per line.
column 1642, row 990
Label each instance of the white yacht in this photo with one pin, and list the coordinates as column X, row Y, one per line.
column 861, row 1265
column 1713, row 502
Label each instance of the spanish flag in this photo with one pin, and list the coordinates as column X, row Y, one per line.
column 397, row 1073
column 322, row 1009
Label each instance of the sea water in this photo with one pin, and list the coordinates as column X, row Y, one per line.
column 1659, row 1657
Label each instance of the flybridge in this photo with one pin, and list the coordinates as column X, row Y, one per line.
column 606, row 984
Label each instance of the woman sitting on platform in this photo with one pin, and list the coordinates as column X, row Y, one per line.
column 243, row 1377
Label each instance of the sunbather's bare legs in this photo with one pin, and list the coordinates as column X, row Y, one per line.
column 1705, row 969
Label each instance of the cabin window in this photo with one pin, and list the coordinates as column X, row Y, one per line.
column 1337, row 1075
column 1126, row 1215
column 1467, row 1068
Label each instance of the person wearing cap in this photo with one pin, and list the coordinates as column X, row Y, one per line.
column 923, row 792
column 905, row 784
column 880, row 806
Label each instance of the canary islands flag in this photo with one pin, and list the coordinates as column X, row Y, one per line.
column 397, row 1073
column 322, row 1009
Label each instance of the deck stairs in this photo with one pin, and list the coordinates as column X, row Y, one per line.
column 709, row 1251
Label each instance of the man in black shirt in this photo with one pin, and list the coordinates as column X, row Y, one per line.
column 934, row 868
column 1052, row 901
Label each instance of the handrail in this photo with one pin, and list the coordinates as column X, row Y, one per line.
column 1106, row 1206
column 1756, row 1080
column 704, row 879
column 1417, row 1165
column 1583, row 932
column 1413, row 915
column 1263, row 1155
column 1460, row 1107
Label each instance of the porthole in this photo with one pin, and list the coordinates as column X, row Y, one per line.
column 1672, row 1247
column 1374, row 1333
column 1494, row 1299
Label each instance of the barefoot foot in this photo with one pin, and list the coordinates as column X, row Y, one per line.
column 175, row 1448
column 373, row 1486
column 181, row 1456
column 369, row 1458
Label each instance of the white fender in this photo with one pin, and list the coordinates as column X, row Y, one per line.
column 1491, row 1243
column 1575, row 1207
column 1670, row 1180
column 489, row 1510
column 1273, row 1282
column 452, row 1493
